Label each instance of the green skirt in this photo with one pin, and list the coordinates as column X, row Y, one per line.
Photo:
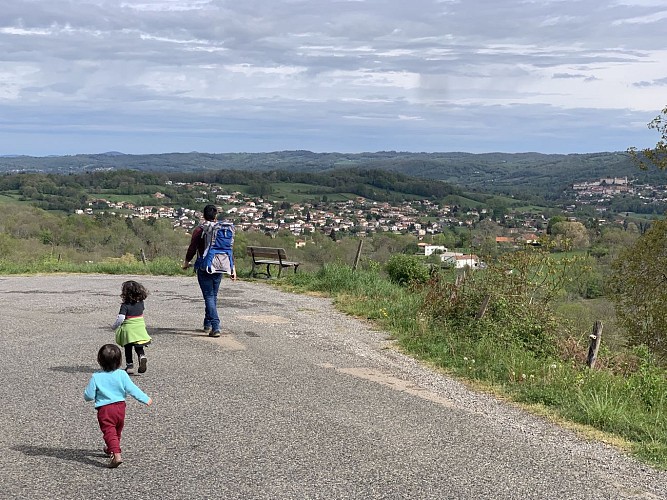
column 132, row 331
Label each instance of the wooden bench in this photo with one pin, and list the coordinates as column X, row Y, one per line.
column 269, row 256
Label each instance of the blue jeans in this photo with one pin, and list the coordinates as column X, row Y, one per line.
column 209, row 284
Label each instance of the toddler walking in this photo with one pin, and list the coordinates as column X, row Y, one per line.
column 108, row 388
column 130, row 326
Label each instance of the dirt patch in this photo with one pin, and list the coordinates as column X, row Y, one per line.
column 266, row 319
column 394, row 383
column 227, row 342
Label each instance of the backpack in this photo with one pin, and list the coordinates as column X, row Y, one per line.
column 219, row 241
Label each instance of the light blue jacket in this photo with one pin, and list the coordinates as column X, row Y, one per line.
column 111, row 387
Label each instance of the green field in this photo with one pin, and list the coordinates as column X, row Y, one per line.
column 12, row 198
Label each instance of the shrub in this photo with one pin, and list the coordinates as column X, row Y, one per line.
column 406, row 270
column 509, row 301
column 637, row 286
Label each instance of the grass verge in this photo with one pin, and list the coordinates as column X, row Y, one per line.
column 629, row 409
column 122, row 265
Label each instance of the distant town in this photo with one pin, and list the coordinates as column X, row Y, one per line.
column 358, row 216
column 361, row 216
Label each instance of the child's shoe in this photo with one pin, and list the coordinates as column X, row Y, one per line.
column 207, row 330
column 142, row 364
column 129, row 368
column 115, row 461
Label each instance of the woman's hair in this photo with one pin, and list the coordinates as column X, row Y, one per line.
column 109, row 357
column 133, row 292
column 210, row 211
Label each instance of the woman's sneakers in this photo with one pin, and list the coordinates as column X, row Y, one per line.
column 114, row 461
column 142, row 364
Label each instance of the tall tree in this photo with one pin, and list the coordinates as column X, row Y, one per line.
column 639, row 289
column 656, row 156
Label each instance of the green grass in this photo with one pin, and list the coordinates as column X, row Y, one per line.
column 161, row 266
column 231, row 188
column 299, row 193
column 529, row 208
column 454, row 199
column 644, row 216
column 582, row 314
column 130, row 198
column 631, row 406
column 12, row 198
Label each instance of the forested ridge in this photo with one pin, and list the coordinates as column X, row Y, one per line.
column 511, row 173
column 69, row 192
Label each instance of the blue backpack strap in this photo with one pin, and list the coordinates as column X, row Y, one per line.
column 205, row 230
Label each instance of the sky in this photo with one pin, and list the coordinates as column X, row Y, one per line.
column 219, row 76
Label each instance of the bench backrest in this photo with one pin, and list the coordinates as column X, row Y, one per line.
column 267, row 252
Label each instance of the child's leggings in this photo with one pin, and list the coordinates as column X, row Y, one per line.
column 139, row 349
column 111, row 418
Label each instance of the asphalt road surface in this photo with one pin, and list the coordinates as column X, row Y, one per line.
column 295, row 400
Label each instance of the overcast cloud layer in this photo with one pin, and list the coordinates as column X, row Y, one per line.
column 157, row 76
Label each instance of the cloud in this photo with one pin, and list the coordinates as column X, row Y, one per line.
column 568, row 75
column 661, row 82
column 326, row 73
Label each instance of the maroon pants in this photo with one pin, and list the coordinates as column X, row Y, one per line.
column 112, row 419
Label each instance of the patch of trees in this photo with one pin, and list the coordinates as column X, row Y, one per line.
column 67, row 192
column 30, row 233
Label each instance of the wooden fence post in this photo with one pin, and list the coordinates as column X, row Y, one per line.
column 595, row 337
column 483, row 307
column 358, row 256
column 457, row 284
column 143, row 256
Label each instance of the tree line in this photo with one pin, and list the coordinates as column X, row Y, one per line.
column 68, row 192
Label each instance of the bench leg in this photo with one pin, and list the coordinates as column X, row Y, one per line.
column 295, row 267
column 268, row 271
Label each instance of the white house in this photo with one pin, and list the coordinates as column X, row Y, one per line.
column 471, row 261
column 431, row 249
column 460, row 260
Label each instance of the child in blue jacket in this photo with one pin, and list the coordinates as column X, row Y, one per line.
column 108, row 388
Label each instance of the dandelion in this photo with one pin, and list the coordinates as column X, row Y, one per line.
column 523, row 376
column 465, row 358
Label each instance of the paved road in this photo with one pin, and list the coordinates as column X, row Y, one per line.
column 295, row 401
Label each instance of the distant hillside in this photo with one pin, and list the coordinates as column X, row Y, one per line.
column 489, row 172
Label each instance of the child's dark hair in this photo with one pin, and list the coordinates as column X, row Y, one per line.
column 109, row 357
column 133, row 292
